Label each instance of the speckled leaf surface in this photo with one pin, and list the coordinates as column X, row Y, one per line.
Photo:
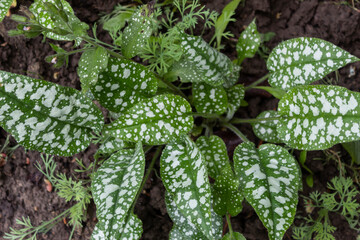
column 248, row 43
column 132, row 229
column 235, row 95
column 110, row 145
column 114, row 187
column 123, row 84
column 183, row 172
column 91, row 62
column 235, row 236
column 4, row 8
column 318, row 117
column 301, row 61
column 269, row 180
column 136, row 34
column 227, row 197
column 266, row 130
column 47, row 117
column 154, row 121
column 214, row 151
column 44, row 19
column 209, row 99
column 202, row 63
column 185, row 230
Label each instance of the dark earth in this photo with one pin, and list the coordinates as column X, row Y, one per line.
column 22, row 188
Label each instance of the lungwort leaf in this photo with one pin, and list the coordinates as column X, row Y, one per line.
column 185, row 230
column 184, row 174
column 235, row 96
column 301, row 61
column 202, row 63
column 154, row 121
column 215, row 154
column 248, row 43
column 114, row 187
column 123, row 84
column 317, row 117
column 209, row 99
column 136, row 34
column 131, row 229
column 92, row 61
column 4, row 8
column 269, row 180
column 266, row 130
column 47, row 117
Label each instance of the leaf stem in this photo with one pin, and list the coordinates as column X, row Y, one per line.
column 236, row 131
column 229, row 224
column 254, row 120
column 173, row 88
column 257, row 82
column 111, row 52
column 151, row 167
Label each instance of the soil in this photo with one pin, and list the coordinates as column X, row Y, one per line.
column 22, row 188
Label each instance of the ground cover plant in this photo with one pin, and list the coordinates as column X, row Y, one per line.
column 152, row 105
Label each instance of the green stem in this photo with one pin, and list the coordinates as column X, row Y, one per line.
column 111, row 52
column 257, row 82
column 236, row 131
column 254, row 120
column 205, row 115
column 173, row 88
column 229, row 224
column 151, row 167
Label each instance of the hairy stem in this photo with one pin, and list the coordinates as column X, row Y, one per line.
column 229, row 224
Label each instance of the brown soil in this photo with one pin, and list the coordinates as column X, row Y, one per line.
column 22, row 188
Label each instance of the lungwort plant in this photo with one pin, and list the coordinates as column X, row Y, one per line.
column 152, row 103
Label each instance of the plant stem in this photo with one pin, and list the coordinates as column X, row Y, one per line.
column 173, row 88
column 229, row 224
column 254, row 120
column 257, row 82
column 236, row 131
column 151, row 167
column 111, row 52
column 205, row 115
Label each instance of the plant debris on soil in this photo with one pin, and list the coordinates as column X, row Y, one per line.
column 23, row 191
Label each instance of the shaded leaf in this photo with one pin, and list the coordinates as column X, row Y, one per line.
column 91, row 62
column 353, row 148
column 202, row 63
column 235, row 96
column 266, row 130
column 4, row 8
column 301, row 61
column 248, row 43
column 276, row 92
column 124, row 83
column 269, row 180
column 47, row 117
column 185, row 230
column 185, row 177
column 209, row 99
column 235, row 236
column 154, row 121
column 317, row 117
column 114, row 187
column 135, row 35
column 214, row 151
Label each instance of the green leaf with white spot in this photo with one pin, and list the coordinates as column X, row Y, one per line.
column 131, row 226
column 91, row 62
column 185, row 230
column 47, row 117
column 153, row 121
column 4, row 8
column 248, row 43
column 214, row 151
column 183, row 172
column 301, row 61
column 235, row 236
column 110, row 145
column 227, row 197
column 235, row 96
column 124, row 83
column 56, row 23
column 209, row 99
column 202, row 63
column 269, row 180
column 266, row 130
column 136, row 34
column 318, row 117
column 114, row 187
